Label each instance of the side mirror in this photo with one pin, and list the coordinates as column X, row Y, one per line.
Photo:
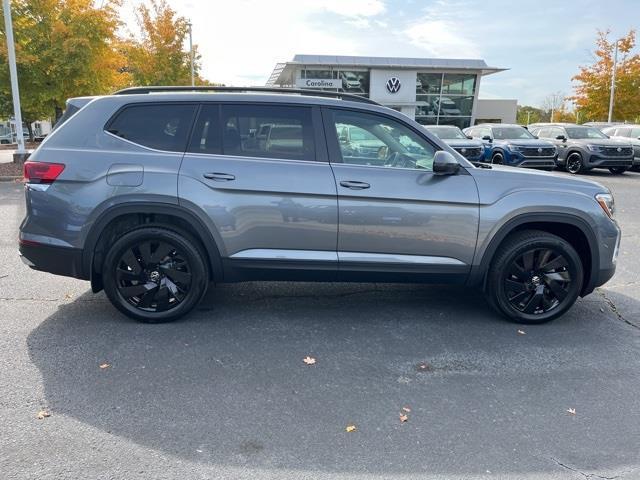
column 469, row 137
column 487, row 138
column 444, row 163
column 561, row 137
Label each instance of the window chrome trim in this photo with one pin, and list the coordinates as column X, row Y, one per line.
column 351, row 257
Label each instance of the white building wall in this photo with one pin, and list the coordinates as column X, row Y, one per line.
column 502, row 111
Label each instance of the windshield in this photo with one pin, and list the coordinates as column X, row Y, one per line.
column 511, row 133
column 584, row 132
column 447, row 133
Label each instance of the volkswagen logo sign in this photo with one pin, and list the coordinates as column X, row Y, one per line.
column 539, row 150
column 393, row 85
column 619, row 149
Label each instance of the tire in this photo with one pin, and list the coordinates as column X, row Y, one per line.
column 497, row 158
column 534, row 277
column 155, row 275
column 574, row 163
column 618, row 170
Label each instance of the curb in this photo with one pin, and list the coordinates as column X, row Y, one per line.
column 10, row 178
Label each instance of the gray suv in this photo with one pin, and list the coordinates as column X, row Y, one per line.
column 154, row 193
column 582, row 148
column 627, row 133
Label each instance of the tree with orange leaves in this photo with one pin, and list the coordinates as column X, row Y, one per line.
column 594, row 81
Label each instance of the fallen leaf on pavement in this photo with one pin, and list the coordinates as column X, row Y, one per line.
column 67, row 295
column 572, row 411
column 424, row 367
column 104, row 365
column 521, row 332
column 403, row 418
column 406, row 409
column 42, row 414
column 350, row 428
column 309, row 360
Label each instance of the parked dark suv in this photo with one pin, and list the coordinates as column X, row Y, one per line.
column 513, row 145
column 153, row 193
column 582, row 148
column 472, row 150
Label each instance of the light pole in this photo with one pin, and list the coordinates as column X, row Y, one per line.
column 13, row 72
column 191, row 52
column 613, row 82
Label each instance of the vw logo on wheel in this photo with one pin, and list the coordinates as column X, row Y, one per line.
column 393, row 85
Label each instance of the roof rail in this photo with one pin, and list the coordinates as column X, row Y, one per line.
column 206, row 88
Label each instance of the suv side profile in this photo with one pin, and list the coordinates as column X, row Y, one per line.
column 581, row 148
column 513, row 145
column 627, row 133
column 155, row 193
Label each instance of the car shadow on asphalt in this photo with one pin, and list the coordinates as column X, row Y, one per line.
column 227, row 386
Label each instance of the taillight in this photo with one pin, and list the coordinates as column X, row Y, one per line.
column 41, row 172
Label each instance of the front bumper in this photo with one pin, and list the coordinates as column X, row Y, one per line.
column 519, row 160
column 52, row 259
column 600, row 161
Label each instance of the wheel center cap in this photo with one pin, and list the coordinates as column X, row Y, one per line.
column 535, row 280
column 154, row 276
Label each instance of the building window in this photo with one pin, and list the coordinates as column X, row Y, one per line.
column 459, row 84
column 445, row 98
column 354, row 81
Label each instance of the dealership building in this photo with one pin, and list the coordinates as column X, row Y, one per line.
column 433, row 91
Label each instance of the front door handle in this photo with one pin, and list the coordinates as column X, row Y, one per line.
column 219, row 177
column 353, row 185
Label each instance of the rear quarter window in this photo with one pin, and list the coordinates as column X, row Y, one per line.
column 160, row 126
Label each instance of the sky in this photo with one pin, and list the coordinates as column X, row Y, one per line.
column 541, row 42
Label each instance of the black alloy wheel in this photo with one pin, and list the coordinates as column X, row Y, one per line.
column 497, row 159
column 537, row 281
column 155, row 275
column 534, row 277
column 574, row 163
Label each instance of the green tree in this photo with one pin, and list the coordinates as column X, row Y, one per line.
column 593, row 82
column 64, row 48
column 156, row 54
column 527, row 114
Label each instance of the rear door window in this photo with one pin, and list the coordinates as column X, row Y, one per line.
column 270, row 131
column 160, row 126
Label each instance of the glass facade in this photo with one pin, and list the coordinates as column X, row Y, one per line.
column 353, row 81
column 441, row 98
column 445, row 98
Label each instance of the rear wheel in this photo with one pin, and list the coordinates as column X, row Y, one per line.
column 574, row 163
column 155, row 275
column 534, row 277
column 618, row 170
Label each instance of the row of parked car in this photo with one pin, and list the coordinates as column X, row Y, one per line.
column 574, row 148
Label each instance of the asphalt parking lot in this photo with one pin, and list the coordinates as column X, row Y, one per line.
column 225, row 393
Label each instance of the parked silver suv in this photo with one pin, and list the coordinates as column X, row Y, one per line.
column 153, row 193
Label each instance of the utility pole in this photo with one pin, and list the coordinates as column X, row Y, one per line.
column 613, row 82
column 13, row 72
column 528, row 117
column 193, row 81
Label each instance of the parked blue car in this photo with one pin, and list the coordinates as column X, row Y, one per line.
column 513, row 145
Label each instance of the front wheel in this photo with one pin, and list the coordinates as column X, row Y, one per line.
column 574, row 163
column 497, row 158
column 155, row 275
column 618, row 170
column 534, row 277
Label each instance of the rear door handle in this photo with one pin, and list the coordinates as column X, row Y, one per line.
column 353, row 185
column 219, row 177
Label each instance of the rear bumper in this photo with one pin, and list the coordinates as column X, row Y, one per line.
column 52, row 259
